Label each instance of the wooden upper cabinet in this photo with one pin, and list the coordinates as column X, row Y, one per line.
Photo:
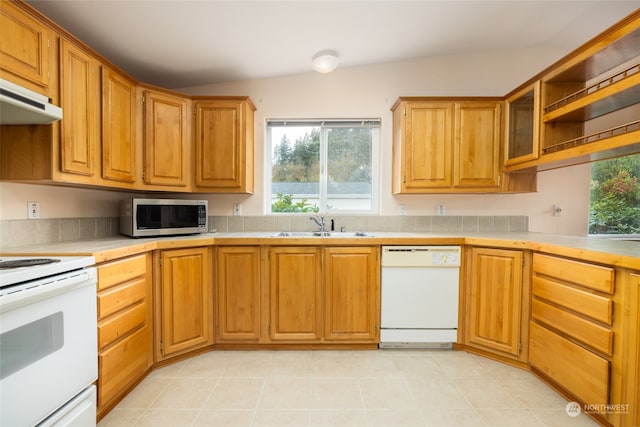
column 24, row 48
column 118, row 128
column 422, row 146
column 80, row 101
column 224, row 141
column 522, row 125
column 448, row 145
column 477, row 144
column 166, row 140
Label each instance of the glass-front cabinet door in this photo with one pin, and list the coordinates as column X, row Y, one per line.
column 522, row 125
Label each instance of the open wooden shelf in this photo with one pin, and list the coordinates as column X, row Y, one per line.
column 600, row 55
column 607, row 95
column 622, row 132
column 591, row 100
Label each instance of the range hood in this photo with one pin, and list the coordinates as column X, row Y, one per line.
column 21, row 106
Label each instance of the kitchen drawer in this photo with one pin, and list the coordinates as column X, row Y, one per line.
column 117, row 298
column 120, row 324
column 583, row 373
column 595, row 336
column 123, row 363
column 121, row 271
column 591, row 276
column 592, row 305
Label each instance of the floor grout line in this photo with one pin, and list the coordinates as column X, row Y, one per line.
column 409, row 377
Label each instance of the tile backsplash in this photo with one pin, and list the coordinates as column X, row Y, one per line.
column 24, row 232
column 15, row 233
column 426, row 224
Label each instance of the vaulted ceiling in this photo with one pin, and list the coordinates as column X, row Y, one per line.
column 179, row 43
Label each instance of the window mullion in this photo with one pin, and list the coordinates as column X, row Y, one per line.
column 324, row 158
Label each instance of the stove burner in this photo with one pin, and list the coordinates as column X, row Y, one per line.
column 29, row 262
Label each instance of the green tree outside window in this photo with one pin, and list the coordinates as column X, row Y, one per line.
column 615, row 196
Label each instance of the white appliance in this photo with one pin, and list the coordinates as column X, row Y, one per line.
column 48, row 341
column 22, row 106
column 419, row 296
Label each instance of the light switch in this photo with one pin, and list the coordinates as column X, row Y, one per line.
column 33, row 210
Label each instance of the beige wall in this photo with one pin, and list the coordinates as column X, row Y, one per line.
column 364, row 92
column 371, row 91
column 57, row 202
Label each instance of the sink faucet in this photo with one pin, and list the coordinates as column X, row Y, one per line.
column 319, row 222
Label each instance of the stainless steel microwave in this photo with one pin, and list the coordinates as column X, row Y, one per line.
column 162, row 217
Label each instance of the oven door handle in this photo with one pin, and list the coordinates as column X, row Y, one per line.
column 47, row 288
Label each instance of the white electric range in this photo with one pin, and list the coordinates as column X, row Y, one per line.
column 48, row 341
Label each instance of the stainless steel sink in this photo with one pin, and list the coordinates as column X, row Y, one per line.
column 321, row 234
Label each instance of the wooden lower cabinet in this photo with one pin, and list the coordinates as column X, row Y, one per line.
column 327, row 295
column 352, row 294
column 295, row 294
column 496, row 302
column 238, row 294
column 572, row 327
column 631, row 395
column 125, row 315
column 579, row 370
column 183, row 301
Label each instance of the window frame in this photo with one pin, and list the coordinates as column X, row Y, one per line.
column 324, row 124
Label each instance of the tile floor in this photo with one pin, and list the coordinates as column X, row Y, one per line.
column 341, row 388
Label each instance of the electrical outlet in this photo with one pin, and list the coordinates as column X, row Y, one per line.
column 557, row 210
column 33, row 210
column 403, row 209
column 236, row 209
column 441, row 210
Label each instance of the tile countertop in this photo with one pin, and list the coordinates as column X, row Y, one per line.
column 605, row 251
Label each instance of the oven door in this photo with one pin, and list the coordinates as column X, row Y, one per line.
column 48, row 347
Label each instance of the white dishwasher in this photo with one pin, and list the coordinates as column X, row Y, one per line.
column 419, row 296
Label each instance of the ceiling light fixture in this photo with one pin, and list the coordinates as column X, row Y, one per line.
column 325, row 61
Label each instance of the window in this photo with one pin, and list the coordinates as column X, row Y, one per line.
column 323, row 165
column 615, row 197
